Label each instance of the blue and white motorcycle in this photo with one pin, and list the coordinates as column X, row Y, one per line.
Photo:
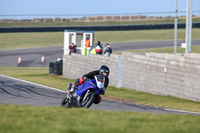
column 86, row 94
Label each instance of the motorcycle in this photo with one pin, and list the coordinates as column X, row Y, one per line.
column 86, row 94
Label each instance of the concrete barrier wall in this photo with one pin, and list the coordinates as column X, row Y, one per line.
column 75, row 65
column 165, row 74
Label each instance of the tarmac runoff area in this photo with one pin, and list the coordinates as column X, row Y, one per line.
column 21, row 92
column 32, row 57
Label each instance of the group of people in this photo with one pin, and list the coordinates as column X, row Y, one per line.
column 96, row 49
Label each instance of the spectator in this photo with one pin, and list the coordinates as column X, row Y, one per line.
column 107, row 50
column 72, row 48
column 87, row 43
column 98, row 48
column 92, row 50
column 84, row 50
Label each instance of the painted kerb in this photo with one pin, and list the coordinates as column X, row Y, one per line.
column 164, row 74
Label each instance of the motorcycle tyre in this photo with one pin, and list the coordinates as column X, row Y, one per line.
column 91, row 100
column 65, row 104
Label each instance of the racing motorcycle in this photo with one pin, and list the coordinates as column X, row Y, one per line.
column 86, row 94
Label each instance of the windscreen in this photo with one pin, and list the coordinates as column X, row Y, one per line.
column 100, row 81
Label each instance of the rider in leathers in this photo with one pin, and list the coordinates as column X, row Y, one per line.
column 104, row 70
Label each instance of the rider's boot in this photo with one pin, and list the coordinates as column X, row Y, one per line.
column 72, row 89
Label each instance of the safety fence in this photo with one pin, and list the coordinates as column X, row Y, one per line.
column 96, row 28
column 9, row 18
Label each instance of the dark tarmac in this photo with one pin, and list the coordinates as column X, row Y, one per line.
column 19, row 92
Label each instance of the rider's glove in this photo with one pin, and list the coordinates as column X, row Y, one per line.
column 85, row 78
column 102, row 91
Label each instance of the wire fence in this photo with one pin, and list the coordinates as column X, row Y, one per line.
column 94, row 17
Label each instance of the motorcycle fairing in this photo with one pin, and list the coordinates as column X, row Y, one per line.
column 91, row 84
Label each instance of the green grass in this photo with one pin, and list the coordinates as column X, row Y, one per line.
column 32, row 24
column 142, row 35
column 27, row 119
column 23, row 119
column 41, row 76
column 194, row 49
column 30, row 40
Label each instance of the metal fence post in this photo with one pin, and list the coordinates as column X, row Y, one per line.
column 129, row 17
column 70, row 19
column 18, row 17
column 62, row 19
column 119, row 71
column 87, row 18
column 54, row 18
column 44, row 18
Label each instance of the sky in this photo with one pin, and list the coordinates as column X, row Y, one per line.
column 10, row 7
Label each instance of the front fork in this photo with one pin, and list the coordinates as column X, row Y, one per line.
column 68, row 96
column 87, row 93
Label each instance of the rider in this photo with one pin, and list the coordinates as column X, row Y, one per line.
column 104, row 70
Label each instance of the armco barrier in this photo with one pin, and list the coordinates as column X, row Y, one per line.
column 164, row 74
column 95, row 28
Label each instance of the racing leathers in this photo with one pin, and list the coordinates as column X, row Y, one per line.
column 89, row 76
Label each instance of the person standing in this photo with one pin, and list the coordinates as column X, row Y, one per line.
column 98, row 48
column 107, row 50
column 72, row 48
column 87, row 44
column 84, row 50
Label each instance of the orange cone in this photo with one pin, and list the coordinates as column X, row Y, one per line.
column 19, row 59
column 42, row 59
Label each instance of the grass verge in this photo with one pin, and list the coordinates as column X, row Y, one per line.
column 27, row 119
column 45, row 39
column 41, row 76
column 194, row 49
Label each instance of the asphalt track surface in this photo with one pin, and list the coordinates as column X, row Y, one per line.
column 14, row 91
column 32, row 57
column 20, row 92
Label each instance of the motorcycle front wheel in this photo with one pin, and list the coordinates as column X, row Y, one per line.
column 88, row 101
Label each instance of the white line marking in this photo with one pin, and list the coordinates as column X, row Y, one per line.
column 32, row 83
column 182, row 111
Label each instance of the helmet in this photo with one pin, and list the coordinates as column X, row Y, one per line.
column 104, row 69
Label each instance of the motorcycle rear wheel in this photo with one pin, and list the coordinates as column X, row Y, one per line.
column 65, row 103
